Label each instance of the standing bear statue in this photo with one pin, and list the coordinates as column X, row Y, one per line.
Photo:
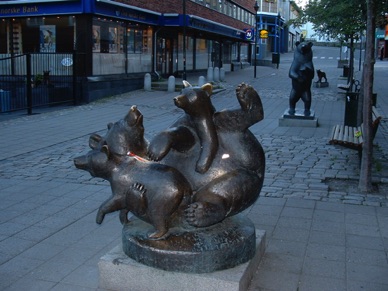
column 301, row 73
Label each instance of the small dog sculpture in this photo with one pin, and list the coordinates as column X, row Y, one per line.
column 321, row 74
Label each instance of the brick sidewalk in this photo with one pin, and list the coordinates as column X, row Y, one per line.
column 322, row 233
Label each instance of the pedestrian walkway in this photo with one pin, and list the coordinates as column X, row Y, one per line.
column 322, row 232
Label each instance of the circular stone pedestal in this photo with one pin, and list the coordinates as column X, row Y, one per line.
column 195, row 250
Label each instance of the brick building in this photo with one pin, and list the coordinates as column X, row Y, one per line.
column 122, row 40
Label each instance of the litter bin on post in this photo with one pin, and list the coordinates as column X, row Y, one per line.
column 351, row 108
column 374, row 99
column 345, row 72
column 276, row 59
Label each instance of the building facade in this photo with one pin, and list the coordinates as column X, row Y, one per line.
column 119, row 41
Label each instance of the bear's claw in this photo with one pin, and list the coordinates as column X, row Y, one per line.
column 201, row 214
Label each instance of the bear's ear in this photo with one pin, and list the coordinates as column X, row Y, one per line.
column 297, row 43
column 109, row 125
column 208, row 88
column 105, row 150
column 94, row 140
column 186, row 84
column 310, row 44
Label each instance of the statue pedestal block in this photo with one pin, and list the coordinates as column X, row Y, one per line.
column 298, row 119
column 192, row 250
column 119, row 272
column 321, row 84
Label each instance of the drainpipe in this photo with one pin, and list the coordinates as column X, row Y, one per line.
column 155, row 37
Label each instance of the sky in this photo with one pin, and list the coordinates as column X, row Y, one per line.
column 301, row 3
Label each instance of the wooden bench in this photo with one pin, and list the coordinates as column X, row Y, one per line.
column 347, row 87
column 351, row 137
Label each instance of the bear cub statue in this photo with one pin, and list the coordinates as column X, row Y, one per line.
column 205, row 167
column 159, row 200
column 215, row 151
column 301, row 73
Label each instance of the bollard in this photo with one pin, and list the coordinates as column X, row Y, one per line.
column 201, row 81
column 210, row 74
column 147, row 82
column 216, row 75
column 171, row 84
column 222, row 74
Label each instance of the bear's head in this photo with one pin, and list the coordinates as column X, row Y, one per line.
column 195, row 101
column 302, row 66
column 304, row 50
column 103, row 163
column 96, row 162
column 123, row 136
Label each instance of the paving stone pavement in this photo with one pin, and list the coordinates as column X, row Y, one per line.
column 322, row 232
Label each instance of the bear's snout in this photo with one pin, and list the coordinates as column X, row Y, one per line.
column 81, row 162
column 134, row 116
column 176, row 101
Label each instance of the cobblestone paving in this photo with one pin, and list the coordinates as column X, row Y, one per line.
column 296, row 167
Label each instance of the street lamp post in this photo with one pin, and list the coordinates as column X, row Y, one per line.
column 256, row 7
column 279, row 33
column 184, row 40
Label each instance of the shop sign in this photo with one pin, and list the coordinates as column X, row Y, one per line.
column 110, row 9
column 23, row 8
column 263, row 33
column 249, row 34
column 380, row 33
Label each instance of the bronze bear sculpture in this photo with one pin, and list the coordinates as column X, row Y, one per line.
column 301, row 73
column 153, row 192
column 235, row 159
column 215, row 152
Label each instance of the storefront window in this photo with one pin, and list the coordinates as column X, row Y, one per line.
column 96, row 33
column 107, row 37
column 189, row 53
column 226, row 53
column 244, row 52
column 3, row 36
column 120, row 47
column 138, row 41
column 38, row 34
column 202, row 59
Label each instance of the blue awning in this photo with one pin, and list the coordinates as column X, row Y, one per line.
column 202, row 24
column 126, row 12
column 22, row 8
column 118, row 10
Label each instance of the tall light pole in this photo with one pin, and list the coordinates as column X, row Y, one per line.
column 279, row 32
column 256, row 7
column 184, row 40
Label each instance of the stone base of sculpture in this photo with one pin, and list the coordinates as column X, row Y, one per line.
column 298, row 119
column 321, row 84
column 299, row 114
column 119, row 272
column 192, row 250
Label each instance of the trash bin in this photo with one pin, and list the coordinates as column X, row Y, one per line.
column 5, row 101
column 275, row 58
column 345, row 72
column 351, row 109
column 374, row 99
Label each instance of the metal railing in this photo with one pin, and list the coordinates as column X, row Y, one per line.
column 37, row 80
